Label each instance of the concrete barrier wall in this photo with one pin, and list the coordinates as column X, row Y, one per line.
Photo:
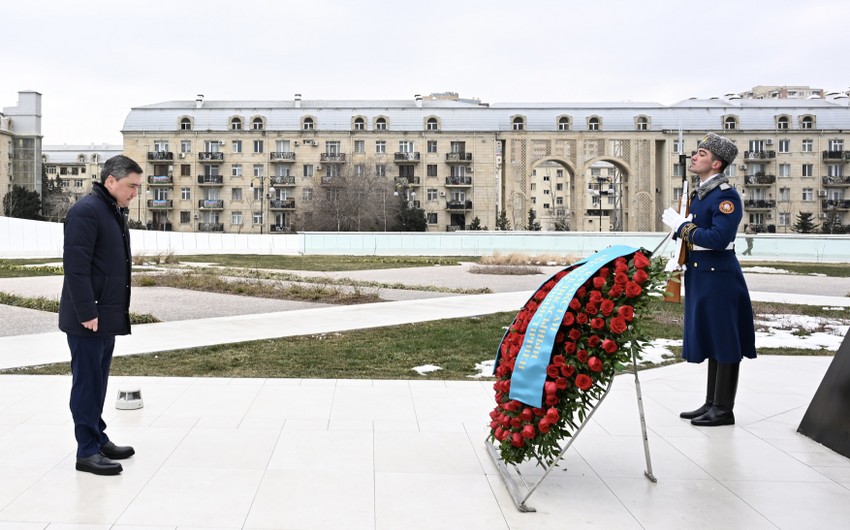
column 21, row 238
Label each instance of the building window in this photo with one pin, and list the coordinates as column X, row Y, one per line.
column 308, row 170
column 236, row 146
column 236, row 170
column 432, row 146
column 359, row 170
column 432, row 125
column 431, row 170
column 559, row 201
column 236, row 124
column 836, row 145
column 307, row 124
column 784, row 146
column 258, row 124
column 533, row 186
column 307, row 194
column 533, row 200
column 185, row 218
column 432, row 218
column 257, row 218
column 807, row 122
column 642, row 123
column 258, row 170
column 782, row 122
column 185, row 124
column 185, row 194
column 808, row 194
column 381, row 170
column 784, row 194
column 808, row 146
column 784, row 170
column 185, row 170
column 359, row 146
column 185, row 146
column 380, row 147
column 784, row 219
column 594, row 124
column 730, row 123
column 678, row 170
column 405, row 146
column 359, row 124
column 236, row 194
column 835, row 170
column 564, row 123
column 808, row 170
column 381, row 124
column 258, row 146
column 236, row 218
column 518, row 123
column 431, row 194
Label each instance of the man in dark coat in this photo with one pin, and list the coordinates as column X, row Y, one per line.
column 718, row 312
column 95, row 304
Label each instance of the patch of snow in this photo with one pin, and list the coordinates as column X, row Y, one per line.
column 424, row 369
column 485, row 369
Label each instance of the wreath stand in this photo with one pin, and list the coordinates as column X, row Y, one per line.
column 520, row 497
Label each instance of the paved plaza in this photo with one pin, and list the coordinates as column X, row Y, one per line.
column 373, row 454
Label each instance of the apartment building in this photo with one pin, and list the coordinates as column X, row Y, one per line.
column 73, row 168
column 20, row 144
column 255, row 166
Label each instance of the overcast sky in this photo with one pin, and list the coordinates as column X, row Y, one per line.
column 94, row 60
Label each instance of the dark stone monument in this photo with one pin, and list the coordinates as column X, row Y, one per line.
column 827, row 419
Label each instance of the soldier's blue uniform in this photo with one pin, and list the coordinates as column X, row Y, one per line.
column 718, row 312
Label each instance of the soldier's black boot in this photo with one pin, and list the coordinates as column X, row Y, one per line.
column 709, row 393
column 726, row 387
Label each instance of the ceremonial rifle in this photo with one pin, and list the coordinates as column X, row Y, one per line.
column 674, row 284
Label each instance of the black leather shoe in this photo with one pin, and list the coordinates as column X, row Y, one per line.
column 715, row 416
column 698, row 412
column 99, row 465
column 117, row 452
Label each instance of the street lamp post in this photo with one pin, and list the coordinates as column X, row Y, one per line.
column 267, row 196
column 599, row 193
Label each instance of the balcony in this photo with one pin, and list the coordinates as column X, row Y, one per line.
column 207, row 156
column 286, row 156
column 332, row 158
column 759, row 204
column 836, row 181
column 284, row 180
column 211, row 204
column 280, row 229
column 837, row 204
column 406, row 158
column 160, row 155
column 458, row 158
column 210, row 227
column 458, row 205
column 838, row 156
column 328, row 181
column 760, row 179
column 282, row 204
column 160, row 180
column 210, row 180
column 458, row 181
column 159, row 204
column 408, row 181
column 163, row 227
column 759, row 155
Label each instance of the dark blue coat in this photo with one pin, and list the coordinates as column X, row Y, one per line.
column 97, row 263
column 718, row 312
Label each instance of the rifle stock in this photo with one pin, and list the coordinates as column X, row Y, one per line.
column 673, row 291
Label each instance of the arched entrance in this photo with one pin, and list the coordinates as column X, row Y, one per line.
column 606, row 196
column 551, row 195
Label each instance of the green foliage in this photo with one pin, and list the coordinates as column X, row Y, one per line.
column 11, row 270
column 22, row 204
column 502, row 222
column 562, row 225
column 475, row 224
column 322, row 263
column 533, row 223
column 805, row 223
column 51, row 305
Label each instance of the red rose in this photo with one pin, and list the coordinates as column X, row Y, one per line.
column 569, row 319
column 529, row 432
column 561, row 383
column 581, row 355
column 640, row 276
column 633, row 290
column 549, row 387
column 620, row 278
column 552, row 415
column 598, row 323
column 618, row 325
column 594, row 364
column 538, row 411
column 517, row 440
column 615, row 291
column 551, row 400
column 581, row 318
column 593, row 341
column 543, row 425
column 627, row 312
column 559, row 360
column 595, row 297
column 559, row 337
column 641, row 261
column 548, row 286
column 575, row 334
column 569, row 348
column 599, row 282
column 501, row 434
column 591, row 308
column 560, row 275
column 583, row 381
column 610, row 346
column 512, row 405
column 581, row 292
column 515, row 423
column 568, row 371
column 494, row 425
column 526, row 414
column 494, row 414
column 606, row 307
column 575, row 304
column 552, row 371
column 603, row 272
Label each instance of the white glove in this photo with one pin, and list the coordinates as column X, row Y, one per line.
column 674, row 219
column 673, row 266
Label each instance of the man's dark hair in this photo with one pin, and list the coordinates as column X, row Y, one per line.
column 723, row 163
column 119, row 166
